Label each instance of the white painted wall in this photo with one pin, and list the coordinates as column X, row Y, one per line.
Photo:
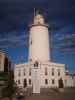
column 69, row 80
column 50, row 66
column 39, row 41
column 41, row 74
column 22, row 67
column 36, row 78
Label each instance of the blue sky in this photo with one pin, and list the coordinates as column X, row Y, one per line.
column 15, row 16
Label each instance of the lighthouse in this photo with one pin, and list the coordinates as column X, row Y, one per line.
column 38, row 40
column 38, row 48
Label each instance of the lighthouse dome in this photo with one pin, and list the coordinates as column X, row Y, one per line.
column 38, row 19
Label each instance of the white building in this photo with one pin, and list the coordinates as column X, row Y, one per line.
column 39, row 72
column 69, row 79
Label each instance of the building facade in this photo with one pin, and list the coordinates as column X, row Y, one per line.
column 5, row 67
column 49, row 74
column 39, row 72
column 69, row 79
column 5, row 63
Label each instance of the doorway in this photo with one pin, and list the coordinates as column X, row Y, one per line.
column 60, row 83
column 25, row 83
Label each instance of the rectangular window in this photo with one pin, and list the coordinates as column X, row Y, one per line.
column 29, row 71
column 18, row 81
column 19, row 73
column 29, row 81
column 72, row 77
column 46, row 81
column 25, row 83
column 24, row 72
column 53, row 81
column 58, row 72
column 52, row 71
column 46, row 73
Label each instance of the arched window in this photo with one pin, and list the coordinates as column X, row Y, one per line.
column 25, row 83
column 36, row 64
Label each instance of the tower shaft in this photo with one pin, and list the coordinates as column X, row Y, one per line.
column 39, row 40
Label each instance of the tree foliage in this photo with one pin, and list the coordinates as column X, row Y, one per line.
column 9, row 85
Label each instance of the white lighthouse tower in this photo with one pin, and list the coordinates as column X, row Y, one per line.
column 39, row 40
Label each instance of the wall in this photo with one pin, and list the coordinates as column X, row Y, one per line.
column 42, row 77
column 2, row 56
column 69, row 80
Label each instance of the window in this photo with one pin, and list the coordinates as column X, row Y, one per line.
column 29, row 81
column 24, row 72
column 31, row 42
column 19, row 73
column 25, row 83
column 29, row 71
column 46, row 81
column 46, row 73
column 52, row 71
column 58, row 72
column 18, row 81
column 36, row 64
column 72, row 77
column 53, row 81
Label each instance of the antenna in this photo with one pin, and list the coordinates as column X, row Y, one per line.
column 34, row 12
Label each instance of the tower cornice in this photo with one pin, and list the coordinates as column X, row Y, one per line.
column 34, row 25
